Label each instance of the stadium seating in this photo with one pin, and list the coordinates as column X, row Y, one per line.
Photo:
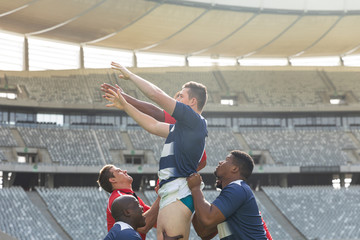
column 142, row 140
column 219, row 142
column 320, row 212
column 302, row 147
column 76, row 208
column 109, row 139
column 356, row 132
column 276, row 230
column 75, row 146
column 67, row 147
column 2, row 156
column 6, row 138
column 20, row 218
column 345, row 82
column 276, row 88
column 264, row 88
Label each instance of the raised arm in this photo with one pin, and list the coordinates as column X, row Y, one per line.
column 145, row 121
column 150, row 90
column 208, row 215
column 145, row 107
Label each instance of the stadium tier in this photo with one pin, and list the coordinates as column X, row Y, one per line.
column 96, row 147
column 20, row 218
column 304, row 147
column 320, row 212
column 250, row 87
column 57, row 134
column 77, row 208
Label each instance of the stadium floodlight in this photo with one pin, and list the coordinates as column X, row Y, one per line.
column 336, row 183
column 347, row 182
column 8, row 95
column 229, row 102
column 337, row 99
column 21, row 159
column 152, row 183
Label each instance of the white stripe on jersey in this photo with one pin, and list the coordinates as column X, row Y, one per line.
column 168, row 149
column 223, row 230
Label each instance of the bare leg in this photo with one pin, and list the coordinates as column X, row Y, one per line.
column 174, row 220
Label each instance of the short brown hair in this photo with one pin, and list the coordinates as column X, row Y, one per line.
column 104, row 177
column 198, row 91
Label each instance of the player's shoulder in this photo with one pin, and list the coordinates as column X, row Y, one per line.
column 115, row 194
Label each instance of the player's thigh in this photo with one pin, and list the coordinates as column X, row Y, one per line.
column 174, row 219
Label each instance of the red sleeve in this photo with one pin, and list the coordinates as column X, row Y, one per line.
column 268, row 235
column 203, row 158
column 168, row 118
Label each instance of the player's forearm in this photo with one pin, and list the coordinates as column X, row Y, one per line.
column 151, row 216
column 202, row 207
column 145, row 121
column 145, row 107
column 150, row 90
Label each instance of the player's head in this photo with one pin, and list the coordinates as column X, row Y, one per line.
column 111, row 177
column 126, row 208
column 237, row 163
column 194, row 91
column 244, row 161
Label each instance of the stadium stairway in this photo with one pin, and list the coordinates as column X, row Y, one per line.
column 278, row 216
column 4, row 236
column 16, row 135
column 40, row 204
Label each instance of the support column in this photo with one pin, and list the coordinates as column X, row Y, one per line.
column 283, row 180
column 49, row 180
column 26, row 55
column 81, row 57
column 134, row 59
column 6, row 183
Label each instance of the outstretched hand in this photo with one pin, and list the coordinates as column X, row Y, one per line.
column 105, row 88
column 194, row 181
column 116, row 98
column 125, row 73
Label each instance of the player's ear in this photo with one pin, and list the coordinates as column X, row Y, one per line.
column 193, row 101
column 235, row 168
column 127, row 212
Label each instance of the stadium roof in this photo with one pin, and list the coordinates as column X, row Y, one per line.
column 194, row 28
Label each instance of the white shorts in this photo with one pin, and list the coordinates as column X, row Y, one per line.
column 174, row 190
